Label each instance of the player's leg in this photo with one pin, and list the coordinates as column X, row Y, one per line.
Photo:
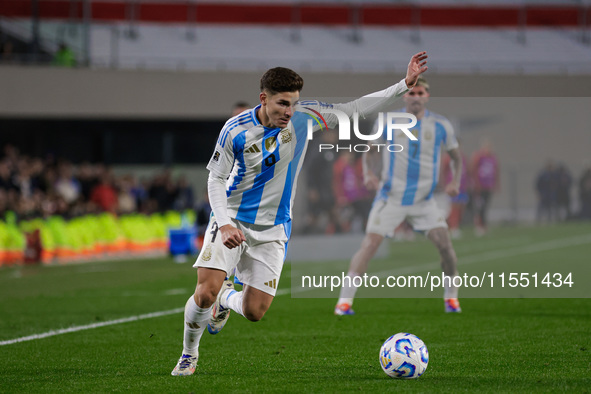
column 212, row 266
column 255, row 303
column 209, row 282
column 197, row 316
column 442, row 241
column 485, row 196
column 251, row 302
column 357, row 267
column 383, row 219
column 477, row 209
column 426, row 216
column 257, row 294
column 219, row 314
column 260, row 270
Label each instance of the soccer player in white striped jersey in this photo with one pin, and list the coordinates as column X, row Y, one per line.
column 405, row 191
column 251, row 186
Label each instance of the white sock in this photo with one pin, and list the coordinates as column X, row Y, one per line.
column 232, row 299
column 450, row 290
column 348, row 290
column 196, row 320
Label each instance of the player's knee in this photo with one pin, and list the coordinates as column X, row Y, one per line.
column 254, row 317
column 254, row 314
column 205, row 297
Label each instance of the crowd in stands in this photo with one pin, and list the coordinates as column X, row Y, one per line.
column 34, row 187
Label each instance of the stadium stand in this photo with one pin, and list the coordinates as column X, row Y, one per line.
column 504, row 37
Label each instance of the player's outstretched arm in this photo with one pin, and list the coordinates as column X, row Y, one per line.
column 383, row 99
column 376, row 101
column 416, row 66
column 453, row 188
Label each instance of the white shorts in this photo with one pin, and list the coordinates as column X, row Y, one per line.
column 258, row 260
column 384, row 217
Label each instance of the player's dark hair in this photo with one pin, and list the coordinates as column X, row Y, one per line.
column 281, row 79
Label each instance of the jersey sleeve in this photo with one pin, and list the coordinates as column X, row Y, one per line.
column 327, row 114
column 222, row 160
column 374, row 102
column 450, row 140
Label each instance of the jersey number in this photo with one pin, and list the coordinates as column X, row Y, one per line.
column 270, row 160
column 214, row 231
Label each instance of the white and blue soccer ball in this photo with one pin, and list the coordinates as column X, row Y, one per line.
column 404, row 356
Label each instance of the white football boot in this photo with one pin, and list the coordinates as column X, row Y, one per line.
column 186, row 365
column 219, row 315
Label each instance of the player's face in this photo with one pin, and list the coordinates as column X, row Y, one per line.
column 278, row 108
column 416, row 99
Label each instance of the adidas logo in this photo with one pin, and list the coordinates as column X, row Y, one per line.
column 253, row 149
column 194, row 326
column 272, row 283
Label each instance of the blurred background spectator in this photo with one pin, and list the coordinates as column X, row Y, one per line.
column 485, row 181
column 564, row 182
column 585, row 194
column 64, row 57
column 458, row 203
column 546, row 185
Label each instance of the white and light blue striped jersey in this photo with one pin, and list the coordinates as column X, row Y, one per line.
column 262, row 164
column 410, row 176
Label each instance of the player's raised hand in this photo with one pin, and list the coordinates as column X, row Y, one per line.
column 416, row 66
column 231, row 236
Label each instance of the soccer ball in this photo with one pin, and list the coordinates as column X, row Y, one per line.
column 404, row 356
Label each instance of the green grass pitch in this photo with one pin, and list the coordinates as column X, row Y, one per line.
column 495, row 345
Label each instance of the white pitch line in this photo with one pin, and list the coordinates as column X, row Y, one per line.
column 477, row 258
column 91, row 326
